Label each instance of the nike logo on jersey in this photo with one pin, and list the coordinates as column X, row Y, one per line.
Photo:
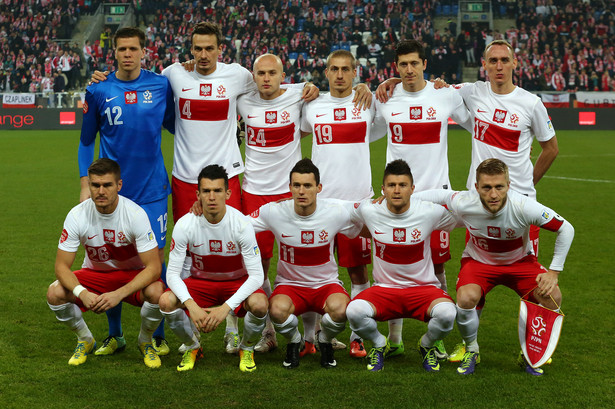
column 186, row 89
column 379, row 232
column 319, row 115
column 480, row 111
column 396, row 113
column 110, row 99
column 90, row 238
column 441, row 254
column 252, row 116
column 286, row 235
column 198, row 245
column 472, row 228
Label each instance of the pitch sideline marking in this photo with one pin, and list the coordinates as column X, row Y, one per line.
column 579, row 179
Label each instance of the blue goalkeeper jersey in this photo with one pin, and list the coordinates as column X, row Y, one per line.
column 129, row 116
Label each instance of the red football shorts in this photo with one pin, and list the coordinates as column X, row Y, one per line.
column 101, row 282
column 440, row 244
column 353, row 252
column 184, row 196
column 411, row 302
column 520, row 276
column 208, row 293
column 249, row 204
column 308, row 299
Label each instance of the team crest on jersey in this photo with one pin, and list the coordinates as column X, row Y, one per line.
column 130, row 97
column 231, row 247
column 499, row 116
column 514, row 118
column 399, row 235
column 339, row 114
column 356, row 113
column 121, row 238
column 63, row 236
column 323, row 236
column 255, row 213
column 205, row 90
column 215, row 246
column 493, row 231
column 416, row 235
column 285, row 115
column 431, row 113
column 86, row 107
column 172, row 245
column 147, row 97
column 510, row 233
column 109, row 236
column 416, row 113
column 356, row 205
column 221, row 91
column 271, row 117
column 307, row 237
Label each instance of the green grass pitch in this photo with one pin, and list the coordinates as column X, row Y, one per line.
column 39, row 185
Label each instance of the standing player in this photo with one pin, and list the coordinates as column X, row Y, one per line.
column 273, row 146
column 121, row 263
column 405, row 284
column 416, row 118
column 340, row 150
column 500, row 251
column 111, row 109
column 307, row 274
column 226, row 271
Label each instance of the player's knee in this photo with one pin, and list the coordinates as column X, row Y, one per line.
column 153, row 292
column 467, row 298
column 56, row 293
column 445, row 313
column 257, row 304
column 278, row 312
column 168, row 302
column 336, row 309
column 357, row 311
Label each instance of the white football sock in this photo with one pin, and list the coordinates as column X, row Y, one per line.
column 179, row 322
column 232, row 323
column 361, row 319
column 70, row 314
column 467, row 322
column 150, row 318
column 309, row 325
column 329, row 328
column 289, row 329
column 395, row 328
column 252, row 329
column 441, row 323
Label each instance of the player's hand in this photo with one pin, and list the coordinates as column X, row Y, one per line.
column 378, row 200
column 362, row 97
column 547, row 283
column 107, row 301
column 310, row 92
column 215, row 317
column 197, row 208
column 88, row 299
column 84, row 195
column 198, row 316
column 439, row 83
column 385, row 90
column 98, row 76
column 189, row 65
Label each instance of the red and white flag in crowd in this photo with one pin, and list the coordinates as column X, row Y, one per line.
column 556, row 100
column 18, row 100
column 539, row 331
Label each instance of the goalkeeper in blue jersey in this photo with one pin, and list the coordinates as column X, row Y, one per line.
column 128, row 111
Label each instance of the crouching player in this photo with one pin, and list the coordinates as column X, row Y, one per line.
column 226, row 272
column 405, row 284
column 307, row 274
column 121, row 263
column 499, row 251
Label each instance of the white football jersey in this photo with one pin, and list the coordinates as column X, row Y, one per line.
column 206, row 118
column 401, row 250
column 306, row 243
column 417, row 129
column 220, row 252
column 111, row 241
column 503, row 238
column 273, row 140
column 504, row 126
column 340, row 146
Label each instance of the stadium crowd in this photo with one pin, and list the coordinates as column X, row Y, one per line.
column 561, row 45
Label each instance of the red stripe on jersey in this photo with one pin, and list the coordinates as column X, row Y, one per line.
column 497, row 136
column 400, row 253
column 553, row 224
column 415, row 133
column 305, row 256
column 495, row 245
column 110, row 252
column 203, row 109
column 266, row 137
column 353, row 132
column 216, row 264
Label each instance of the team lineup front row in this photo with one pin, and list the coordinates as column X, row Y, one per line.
column 122, row 263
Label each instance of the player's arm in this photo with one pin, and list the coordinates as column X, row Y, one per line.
column 87, row 142
column 379, row 125
column 385, row 90
column 252, row 260
column 68, row 279
column 547, row 155
column 258, row 219
column 99, row 76
column 169, row 113
column 438, row 196
column 362, row 96
column 151, row 273
column 460, row 113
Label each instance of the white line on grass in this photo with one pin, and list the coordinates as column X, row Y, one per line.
column 580, row 180
column 601, row 155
